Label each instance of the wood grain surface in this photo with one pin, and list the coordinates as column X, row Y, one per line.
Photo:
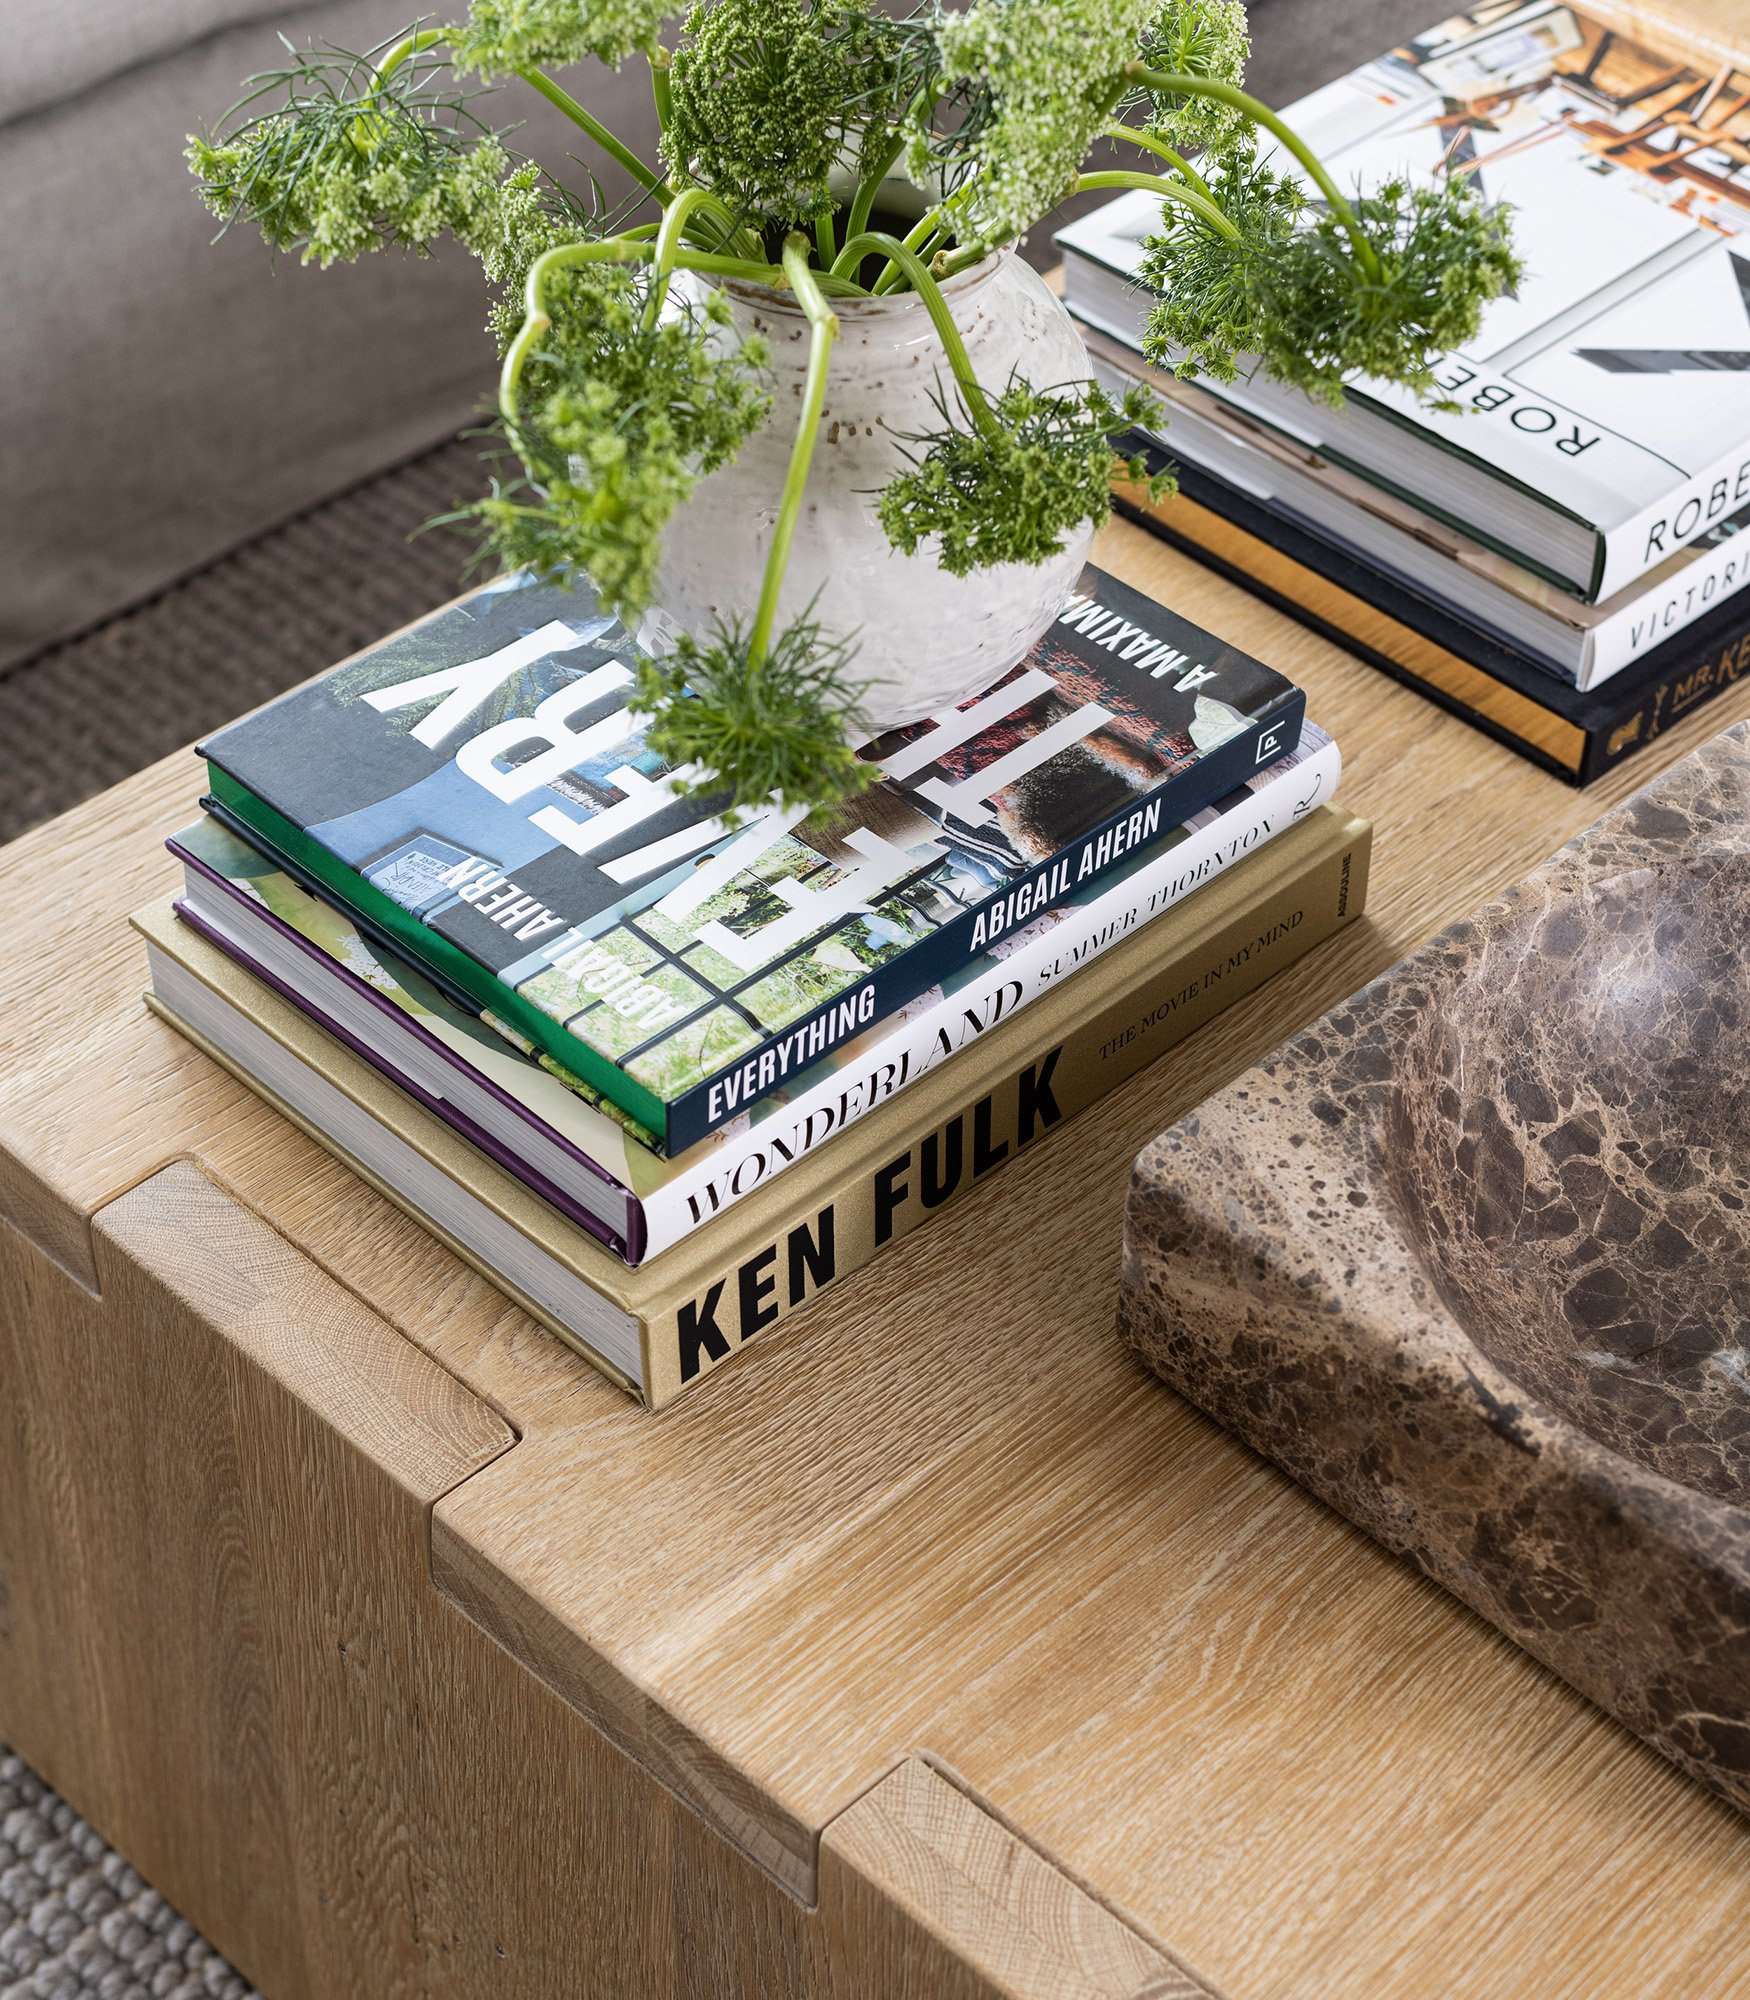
column 976, row 1899
column 1708, row 33
column 941, row 1514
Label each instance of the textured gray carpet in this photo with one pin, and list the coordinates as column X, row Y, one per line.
column 77, row 1923
column 92, row 710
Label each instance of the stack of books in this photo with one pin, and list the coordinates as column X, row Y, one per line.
column 665, row 1078
column 1561, row 554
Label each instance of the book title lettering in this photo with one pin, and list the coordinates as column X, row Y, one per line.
column 522, row 755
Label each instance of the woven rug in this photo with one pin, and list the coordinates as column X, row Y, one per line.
column 93, row 710
column 77, row 1923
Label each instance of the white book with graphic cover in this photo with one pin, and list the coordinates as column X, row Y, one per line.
column 1604, row 406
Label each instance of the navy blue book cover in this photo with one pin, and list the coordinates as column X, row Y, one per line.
column 478, row 783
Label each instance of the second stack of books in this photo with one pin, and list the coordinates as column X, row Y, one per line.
column 663, row 1078
column 1552, row 543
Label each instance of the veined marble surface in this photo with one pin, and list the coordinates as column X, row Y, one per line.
column 1470, row 1259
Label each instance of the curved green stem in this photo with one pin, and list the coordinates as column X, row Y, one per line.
column 536, row 319
column 931, row 224
column 632, row 248
column 951, row 263
column 823, row 327
column 1164, row 83
column 1168, row 190
column 587, row 121
column 675, row 219
column 716, row 265
column 929, row 237
column 409, row 45
column 1132, row 135
column 863, row 202
column 770, row 275
column 921, row 240
column 953, row 347
column 636, row 247
column 823, row 238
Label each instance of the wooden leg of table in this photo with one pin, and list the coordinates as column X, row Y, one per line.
column 220, row 1640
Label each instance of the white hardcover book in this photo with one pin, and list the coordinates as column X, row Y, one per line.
column 1583, row 643
column 637, row 1200
column 1603, row 415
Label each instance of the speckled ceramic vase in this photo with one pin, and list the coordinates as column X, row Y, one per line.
column 925, row 639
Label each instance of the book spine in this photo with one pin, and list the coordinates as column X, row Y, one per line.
column 290, row 847
column 403, row 1074
column 874, row 1207
column 1720, row 666
column 1629, row 635
column 367, row 927
column 702, row 1110
column 1363, row 626
column 1674, row 520
column 1616, row 722
column 1565, row 462
column 1300, row 492
column 1270, row 805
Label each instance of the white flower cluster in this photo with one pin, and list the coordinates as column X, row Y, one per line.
column 500, row 36
column 1201, row 38
column 1054, row 69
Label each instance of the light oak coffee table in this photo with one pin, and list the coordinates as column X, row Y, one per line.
column 931, row 1648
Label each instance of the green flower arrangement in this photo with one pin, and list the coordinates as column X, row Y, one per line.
column 783, row 122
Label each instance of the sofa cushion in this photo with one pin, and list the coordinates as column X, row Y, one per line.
column 77, row 46
column 164, row 397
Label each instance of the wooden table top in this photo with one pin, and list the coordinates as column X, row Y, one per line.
column 944, row 1513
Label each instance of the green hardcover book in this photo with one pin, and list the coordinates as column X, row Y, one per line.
column 478, row 791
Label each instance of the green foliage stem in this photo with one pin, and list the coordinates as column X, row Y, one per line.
column 414, row 44
column 616, row 413
column 1009, row 494
column 1164, row 83
column 876, row 171
column 877, row 241
column 587, row 121
column 760, row 714
column 823, row 330
column 1168, row 190
column 863, row 201
column 776, row 733
column 1133, row 135
column 661, row 89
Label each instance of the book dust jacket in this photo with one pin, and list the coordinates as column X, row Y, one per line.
column 478, row 783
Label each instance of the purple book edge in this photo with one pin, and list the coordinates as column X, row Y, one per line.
column 403, row 1023
column 457, row 1121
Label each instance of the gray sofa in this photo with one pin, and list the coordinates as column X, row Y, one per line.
column 162, row 398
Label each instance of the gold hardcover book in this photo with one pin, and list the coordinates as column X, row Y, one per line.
column 659, row 1328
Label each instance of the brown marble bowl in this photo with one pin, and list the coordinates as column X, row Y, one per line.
column 1470, row 1259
